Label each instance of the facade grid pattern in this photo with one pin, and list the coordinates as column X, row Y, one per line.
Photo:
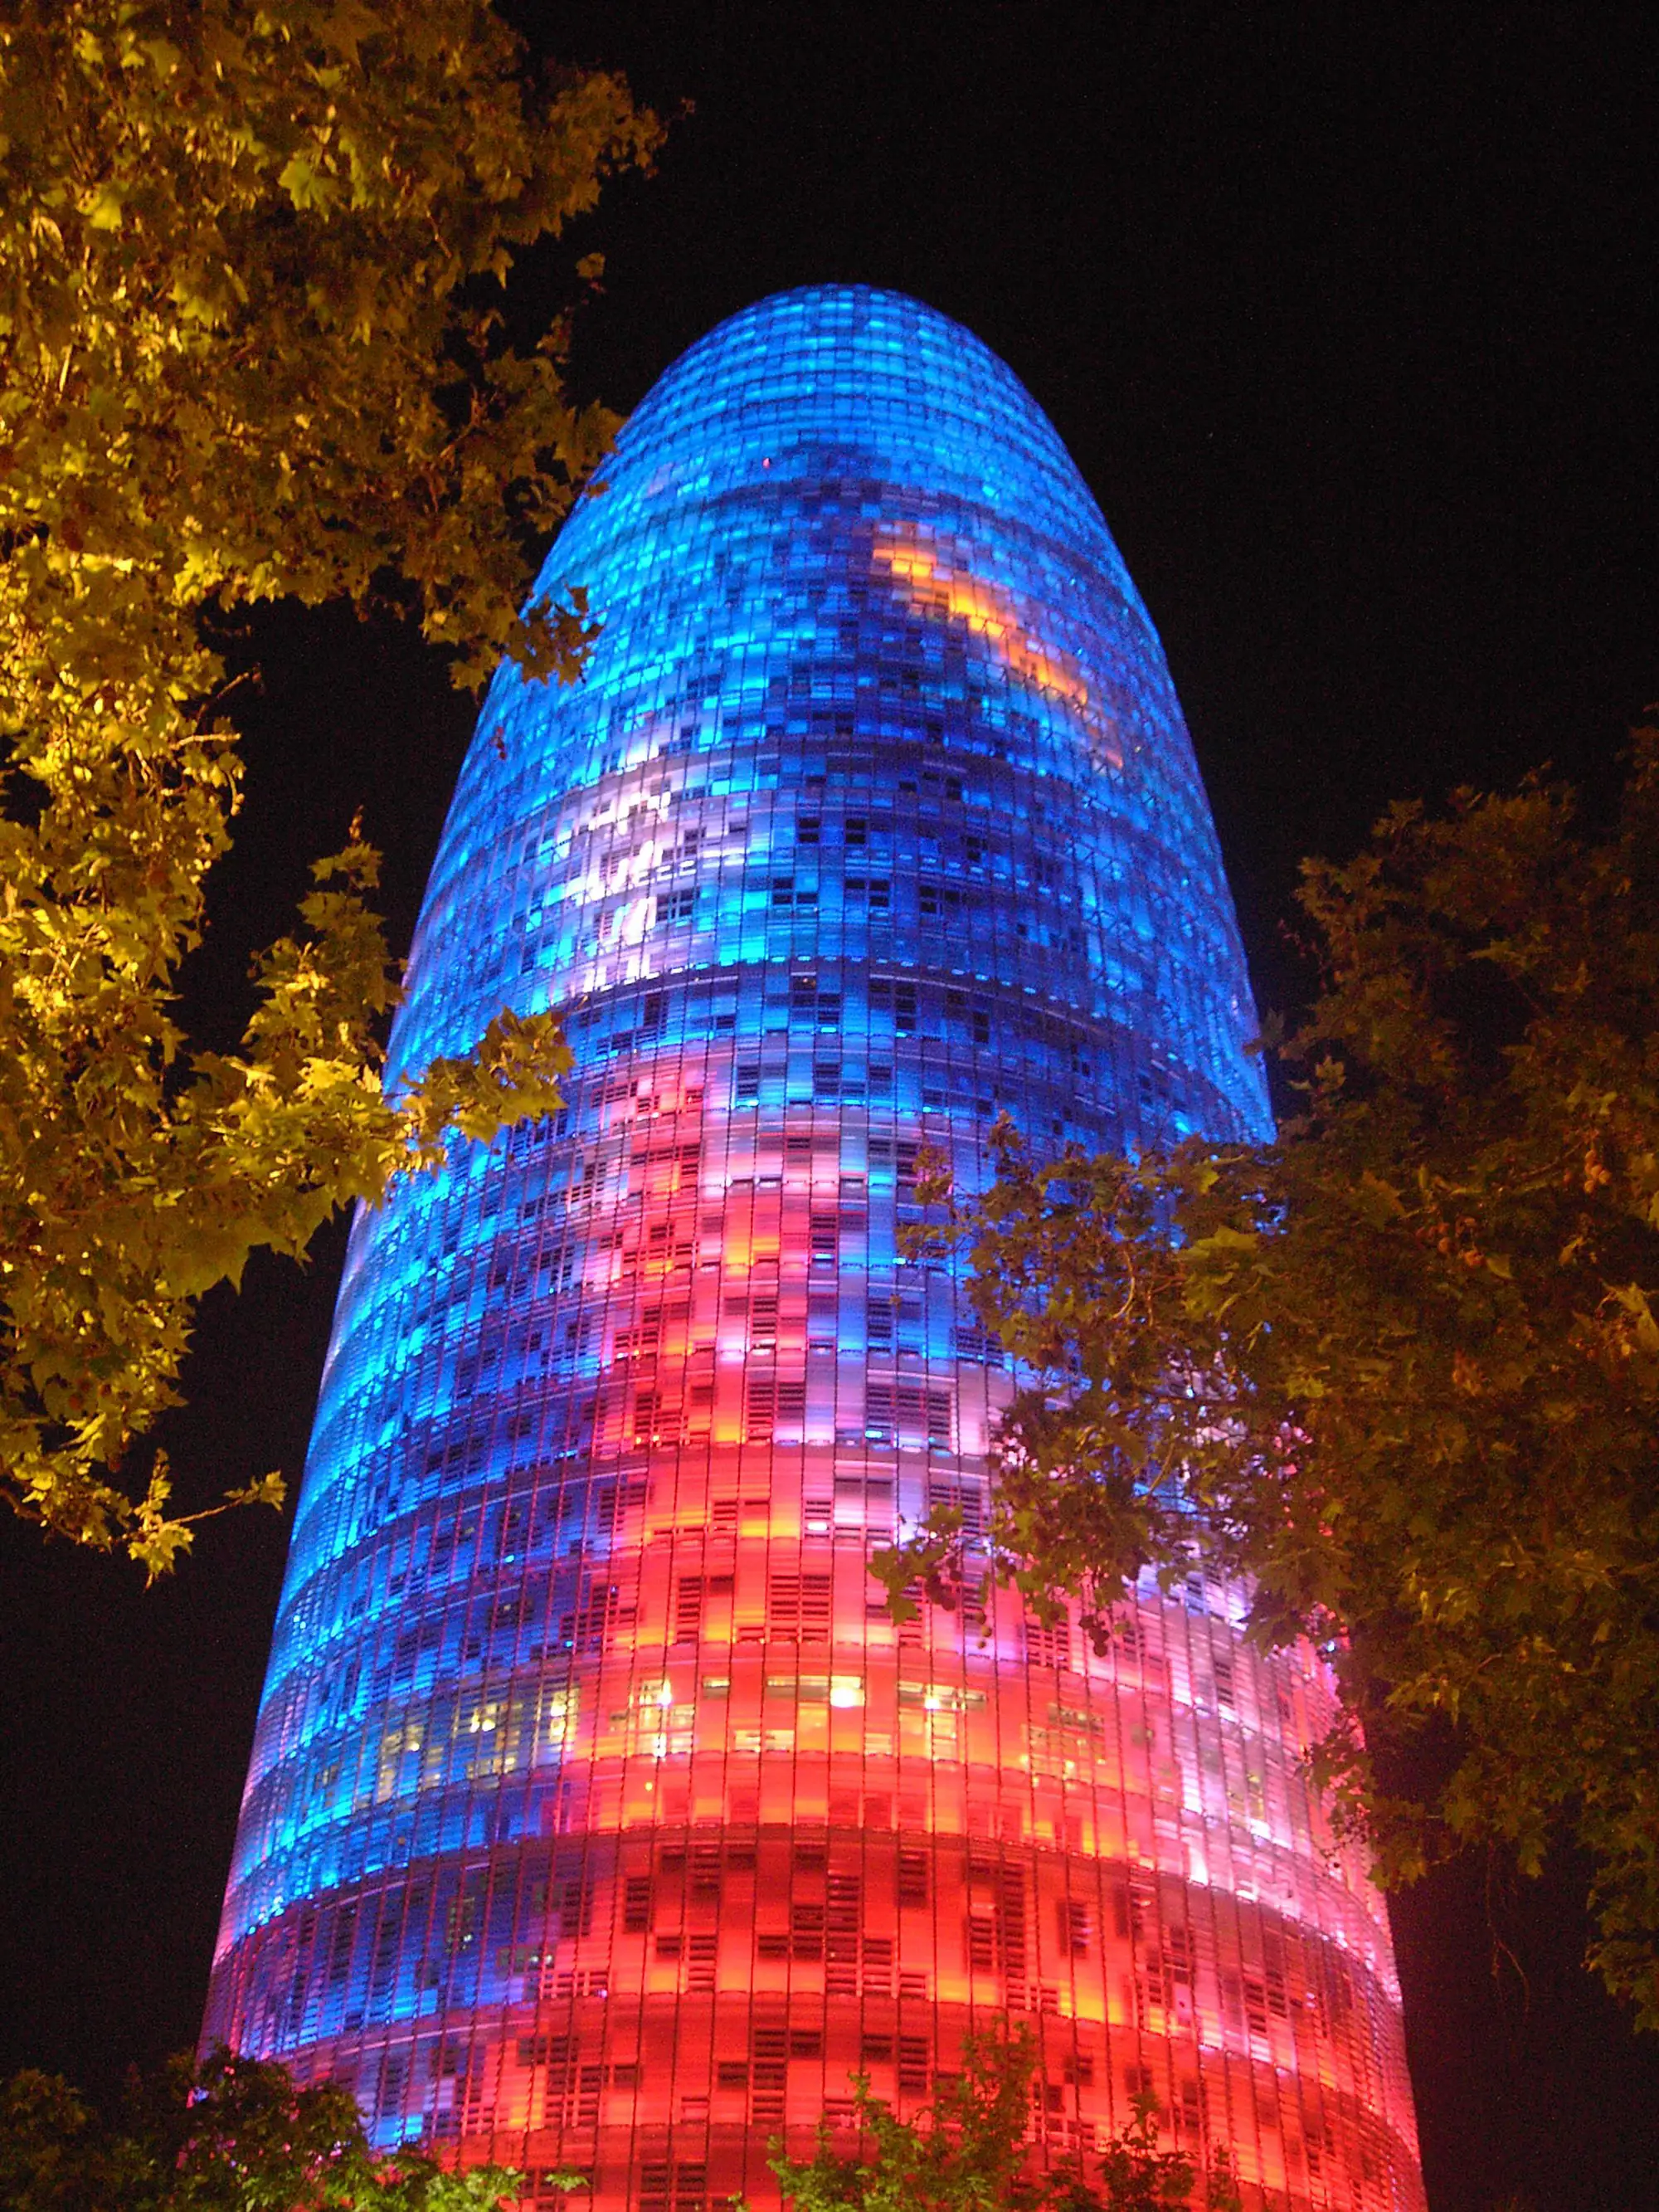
column 599, row 1816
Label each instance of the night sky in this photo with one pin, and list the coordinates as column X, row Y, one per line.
column 1345, row 320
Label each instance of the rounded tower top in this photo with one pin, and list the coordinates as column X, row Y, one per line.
column 836, row 533
column 868, row 383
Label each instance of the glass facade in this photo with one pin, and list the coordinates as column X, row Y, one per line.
column 599, row 1816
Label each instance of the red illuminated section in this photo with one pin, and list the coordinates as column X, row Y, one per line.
column 792, row 1840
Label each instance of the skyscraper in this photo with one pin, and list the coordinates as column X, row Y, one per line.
column 600, row 1815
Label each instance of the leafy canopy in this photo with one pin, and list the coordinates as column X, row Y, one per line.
column 252, row 344
column 227, row 2134
column 970, row 2150
column 1401, row 1366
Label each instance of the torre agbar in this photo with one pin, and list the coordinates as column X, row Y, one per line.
column 600, row 1816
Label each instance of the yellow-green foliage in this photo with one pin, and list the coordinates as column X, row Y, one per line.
column 223, row 2135
column 970, row 2150
column 251, row 345
column 1401, row 1367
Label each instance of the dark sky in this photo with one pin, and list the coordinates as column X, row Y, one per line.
column 1345, row 315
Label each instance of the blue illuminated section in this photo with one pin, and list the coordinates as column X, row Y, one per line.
column 805, row 569
column 590, row 1764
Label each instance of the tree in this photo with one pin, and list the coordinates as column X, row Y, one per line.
column 225, row 2134
column 253, row 343
column 1401, row 1367
column 969, row 2151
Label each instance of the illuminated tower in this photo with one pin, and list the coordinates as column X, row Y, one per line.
column 599, row 1816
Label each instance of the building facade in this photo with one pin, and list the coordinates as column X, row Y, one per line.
column 599, row 1814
